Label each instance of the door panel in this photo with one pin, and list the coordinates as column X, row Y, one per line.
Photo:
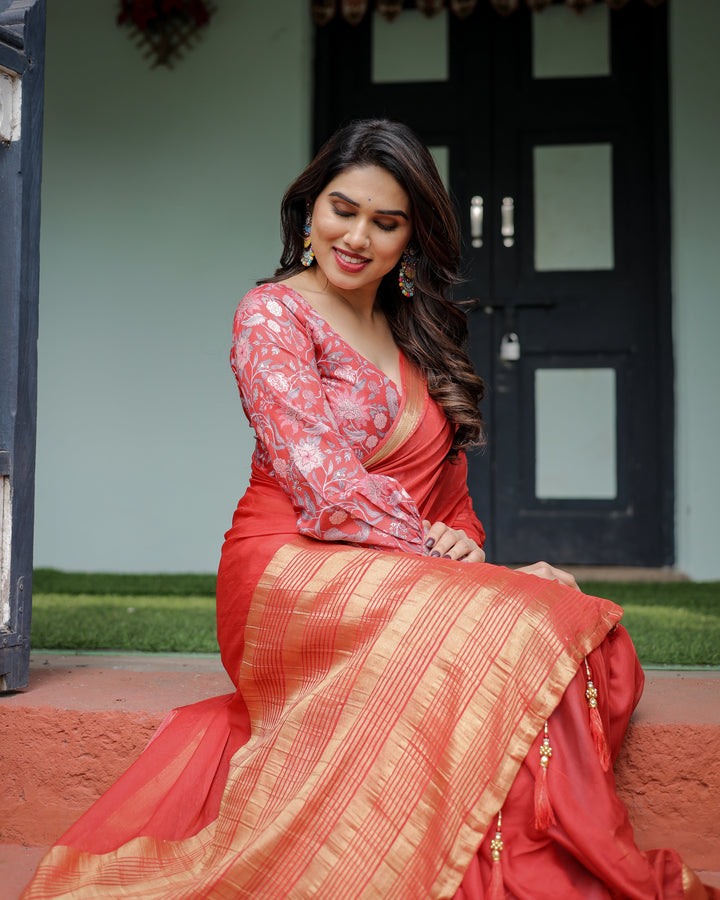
column 428, row 38
column 558, row 129
column 568, row 45
column 569, row 180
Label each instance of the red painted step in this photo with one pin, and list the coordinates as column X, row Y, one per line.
column 85, row 717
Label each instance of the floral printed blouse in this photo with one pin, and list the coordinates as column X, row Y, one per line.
column 318, row 409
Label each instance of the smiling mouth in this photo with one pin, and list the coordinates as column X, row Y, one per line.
column 350, row 258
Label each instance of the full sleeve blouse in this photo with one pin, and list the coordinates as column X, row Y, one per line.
column 317, row 408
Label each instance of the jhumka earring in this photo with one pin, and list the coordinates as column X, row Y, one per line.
column 308, row 255
column 406, row 275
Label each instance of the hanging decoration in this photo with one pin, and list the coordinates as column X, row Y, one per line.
column 353, row 11
column 323, row 11
column 165, row 29
column 430, row 8
column 389, row 9
column 462, row 8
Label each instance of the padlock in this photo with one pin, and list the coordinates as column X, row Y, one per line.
column 510, row 347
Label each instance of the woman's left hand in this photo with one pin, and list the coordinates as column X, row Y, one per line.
column 451, row 543
column 551, row 573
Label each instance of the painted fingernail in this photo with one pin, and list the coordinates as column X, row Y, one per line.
column 435, row 553
column 430, row 543
column 447, row 556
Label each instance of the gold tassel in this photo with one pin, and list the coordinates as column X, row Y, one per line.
column 544, row 813
column 596, row 725
column 497, row 888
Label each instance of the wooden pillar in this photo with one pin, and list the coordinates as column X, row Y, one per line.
column 22, row 57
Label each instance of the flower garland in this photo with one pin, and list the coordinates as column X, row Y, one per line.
column 165, row 28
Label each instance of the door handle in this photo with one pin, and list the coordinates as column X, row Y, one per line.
column 507, row 218
column 476, row 220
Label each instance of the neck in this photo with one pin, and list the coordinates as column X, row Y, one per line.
column 362, row 303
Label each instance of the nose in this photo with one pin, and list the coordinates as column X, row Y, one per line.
column 357, row 235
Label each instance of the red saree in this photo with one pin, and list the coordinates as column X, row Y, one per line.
column 389, row 705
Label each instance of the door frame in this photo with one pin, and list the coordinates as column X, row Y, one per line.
column 22, row 56
column 352, row 70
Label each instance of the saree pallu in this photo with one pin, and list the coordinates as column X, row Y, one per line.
column 388, row 707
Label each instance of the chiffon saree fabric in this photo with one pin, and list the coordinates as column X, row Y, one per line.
column 388, row 706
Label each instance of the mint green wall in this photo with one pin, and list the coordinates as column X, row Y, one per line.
column 695, row 83
column 160, row 198
column 161, row 191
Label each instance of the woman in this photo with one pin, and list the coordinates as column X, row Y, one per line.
column 409, row 722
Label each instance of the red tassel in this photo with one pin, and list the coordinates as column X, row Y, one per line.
column 544, row 813
column 496, row 891
column 596, row 725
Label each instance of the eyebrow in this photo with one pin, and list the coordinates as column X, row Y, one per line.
column 379, row 212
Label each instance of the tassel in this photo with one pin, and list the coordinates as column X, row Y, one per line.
column 596, row 725
column 544, row 813
column 497, row 888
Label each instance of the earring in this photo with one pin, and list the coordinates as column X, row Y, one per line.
column 406, row 275
column 308, row 255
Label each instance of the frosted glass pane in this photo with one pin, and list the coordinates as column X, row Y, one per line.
column 412, row 48
column 441, row 155
column 575, row 434
column 568, row 45
column 573, row 207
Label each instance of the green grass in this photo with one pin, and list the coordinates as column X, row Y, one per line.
column 671, row 624
column 53, row 581
column 677, row 623
column 147, row 624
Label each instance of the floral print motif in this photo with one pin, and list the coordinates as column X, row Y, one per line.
column 318, row 409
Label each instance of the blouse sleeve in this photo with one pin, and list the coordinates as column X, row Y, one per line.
column 466, row 519
column 336, row 498
column 451, row 502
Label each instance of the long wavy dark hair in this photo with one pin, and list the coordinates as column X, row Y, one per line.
column 430, row 328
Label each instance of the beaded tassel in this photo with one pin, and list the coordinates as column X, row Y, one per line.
column 596, row 725
column 497, row 888
column 544, row 813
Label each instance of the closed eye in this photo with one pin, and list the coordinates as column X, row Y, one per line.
column 383, row 225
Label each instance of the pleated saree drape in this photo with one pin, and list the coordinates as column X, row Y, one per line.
column 385, row 704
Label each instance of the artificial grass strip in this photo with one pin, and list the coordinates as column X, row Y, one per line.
column 701, row 596
column 665, row 636
column 54, row 581
column 147, row 624
column 671, row 623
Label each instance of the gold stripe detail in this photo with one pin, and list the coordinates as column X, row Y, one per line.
column 408, row 418
column 399, row 659
column 392, row 698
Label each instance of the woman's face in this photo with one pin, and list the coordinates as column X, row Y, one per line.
column 361, row 223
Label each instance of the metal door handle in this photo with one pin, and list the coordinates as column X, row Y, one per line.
column 507, row 217
column 476, row 220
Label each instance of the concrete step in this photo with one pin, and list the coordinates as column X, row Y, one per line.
column 17, row 865
column 85, row 717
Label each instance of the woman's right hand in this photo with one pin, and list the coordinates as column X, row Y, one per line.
column 545, row 570
column 451, row 543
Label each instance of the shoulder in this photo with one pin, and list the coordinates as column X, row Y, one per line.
column 271, row 298
column 271, row 303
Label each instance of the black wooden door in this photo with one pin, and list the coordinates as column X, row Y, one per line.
column 568, row 272
column 22, row 41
